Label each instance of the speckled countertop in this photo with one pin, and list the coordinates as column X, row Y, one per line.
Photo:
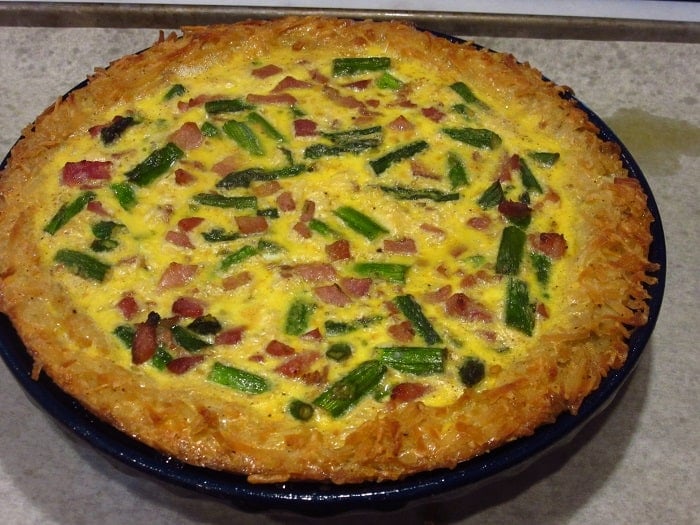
column 637, row 463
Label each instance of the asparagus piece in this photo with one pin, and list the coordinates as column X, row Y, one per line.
column 241, row 133
column 360, row 222
column 392, row 272
column 357, row 65
column 412, row 194
column 347, row 391
column 519, row 313
column 472, row 371
column 125, row 194
column 82, row 264
column 414, row 360
column 243, row 178
column 477, row 137
column 301, row 410
column 510, row 250
column 414, row 313
column 214, row 107
column 238, row 379
column 492, row 196
column 298, row 316
column 381, row 164
column 67, row 211
column 221, row 201
column 155, row 165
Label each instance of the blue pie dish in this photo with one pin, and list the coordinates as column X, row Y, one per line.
column 312, row 498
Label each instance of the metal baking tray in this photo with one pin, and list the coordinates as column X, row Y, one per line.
column 60, row 14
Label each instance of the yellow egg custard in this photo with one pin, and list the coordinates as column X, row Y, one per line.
column 322, row 249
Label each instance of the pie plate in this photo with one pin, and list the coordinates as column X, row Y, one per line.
column 324, row 499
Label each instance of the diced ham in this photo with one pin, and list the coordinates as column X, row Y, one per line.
column 97, row 208
column 184, row 177
column 508, row 166
column 164, row 334
column 290, row 82
column 298, row 364
column 401, row 332
column 266, row 189
column 199, row 100
column 430, row 228
column 356, row 286
column 343, row 101
column 442, row 270
column 482, row 222
column 181, row 365
column 225, row 166
column 400, row 123
column 551, row 196
column 251, row 224
column 514, row 209
column 189, row 223
column 404, row 392
column 391, row 307
column 402, row 98
column 542, row 310
column 304, row 127
column 316, row 377
column 433, row 114
column 312, row 335
column 285, row 201
column 318, row 77
column 188, row 307
column 487, row 335
column 339, row 250
column 438, row 296
column 418, row 169
column 472, row 279
column 551, row 244
column 358, row 85
column 266, row 71
column 302, row 229
column 315, row 272
column 332, row 294
column 128, row 306
column 188, row 136
column 460, row 305
column 145, row 341
column 405, row 246
column 274, row 98
column 94, row 131
column 179, row 238
column 373, row 102
column 86, row 174
column 308, row 211
column 231, row 336
column 279, row 349
column 237, row 280
column 457, row 250
column 177, row 274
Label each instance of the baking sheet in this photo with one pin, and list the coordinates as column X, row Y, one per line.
column 679, row 10
column 60, row 14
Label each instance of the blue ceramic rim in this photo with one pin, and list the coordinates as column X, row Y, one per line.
column 317, row 498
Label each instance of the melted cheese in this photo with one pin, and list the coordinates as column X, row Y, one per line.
column 143, row 255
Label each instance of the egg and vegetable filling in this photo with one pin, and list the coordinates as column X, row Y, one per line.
column 321, row 236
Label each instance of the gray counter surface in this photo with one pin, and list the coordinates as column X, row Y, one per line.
column 637, row 463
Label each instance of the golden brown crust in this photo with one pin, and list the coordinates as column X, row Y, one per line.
column 606, row 296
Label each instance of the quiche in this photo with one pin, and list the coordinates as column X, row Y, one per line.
column 322, row 249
